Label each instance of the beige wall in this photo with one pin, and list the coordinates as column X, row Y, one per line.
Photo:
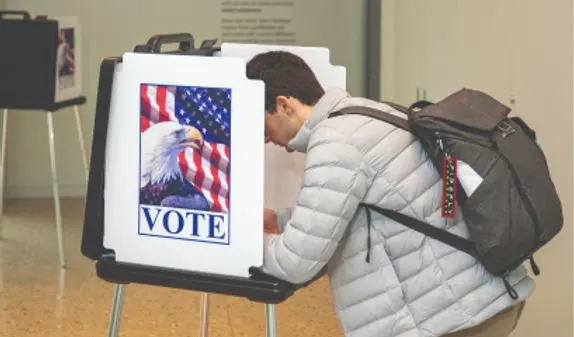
column 109, row 28
column 113, row 27
column 525, row 50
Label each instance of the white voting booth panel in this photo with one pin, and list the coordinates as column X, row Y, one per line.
column 145, row 168
column 283, row 170
column 186, row 161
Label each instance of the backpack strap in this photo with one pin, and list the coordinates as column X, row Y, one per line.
column 446, row 237
column 397, row 106
column 374, row 113
column 382, row 115
column 450, row 239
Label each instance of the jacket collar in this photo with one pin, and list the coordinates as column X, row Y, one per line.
column 319, row 113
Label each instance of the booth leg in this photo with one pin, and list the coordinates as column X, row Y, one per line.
column 204, row 315
column 3, row 159
column 81, row 138
column 56, row 192
column 114, row 326
column 271, row 317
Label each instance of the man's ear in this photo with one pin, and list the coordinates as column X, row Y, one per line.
column 282, row 104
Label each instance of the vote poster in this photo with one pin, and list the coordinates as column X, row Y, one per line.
column 185, row 161
column 68, row 60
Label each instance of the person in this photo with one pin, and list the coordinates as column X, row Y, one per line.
column 386, row 279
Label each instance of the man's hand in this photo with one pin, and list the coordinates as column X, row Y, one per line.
column 270, row 221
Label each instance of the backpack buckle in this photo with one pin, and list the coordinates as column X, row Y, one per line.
column 506, row 129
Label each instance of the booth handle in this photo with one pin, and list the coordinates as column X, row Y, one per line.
column 25, row 15
column 185, row 40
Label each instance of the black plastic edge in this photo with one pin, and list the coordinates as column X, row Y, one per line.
column 25, row 14
column 93, row 232
column 265, row 290
column 186, row 47
column 67, row 103
column 186, row 41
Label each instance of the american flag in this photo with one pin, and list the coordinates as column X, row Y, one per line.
column 208, row 110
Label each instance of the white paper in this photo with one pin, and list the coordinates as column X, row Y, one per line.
column 469, row 179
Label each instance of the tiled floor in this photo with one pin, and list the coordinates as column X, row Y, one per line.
column 37, row 298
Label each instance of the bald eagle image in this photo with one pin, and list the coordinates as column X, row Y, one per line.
column 161, row 181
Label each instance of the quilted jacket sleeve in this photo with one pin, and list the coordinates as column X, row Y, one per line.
column 334, row 182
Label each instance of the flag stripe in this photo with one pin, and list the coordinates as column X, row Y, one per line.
column 162, row 103
column 170, row 101
column 146, row 104
column 215, row 183
column 154, row 108
column 216, row 187
column 183, row 165
column 223, row 169
column 144, row 123
column 200, row 178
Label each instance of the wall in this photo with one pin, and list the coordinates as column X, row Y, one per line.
column 542, row 77
column 113, row 27
column 505, row 47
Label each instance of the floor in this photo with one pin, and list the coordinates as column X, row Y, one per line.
column 37, row 298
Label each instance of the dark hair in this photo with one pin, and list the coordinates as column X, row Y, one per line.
column 284, row 74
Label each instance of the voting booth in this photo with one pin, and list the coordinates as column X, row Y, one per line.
column 179, row 170
column 40, row 70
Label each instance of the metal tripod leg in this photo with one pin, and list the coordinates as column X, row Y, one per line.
column 81, row 139
column 114, row 326
column 56, row 192
column 271, row 317
column 3, row 159
column 204, row 315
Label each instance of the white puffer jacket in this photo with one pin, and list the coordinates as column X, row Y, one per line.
column 413, row 285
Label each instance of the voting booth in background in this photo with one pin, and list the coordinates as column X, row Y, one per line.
column 40, row 69
column 178, row 168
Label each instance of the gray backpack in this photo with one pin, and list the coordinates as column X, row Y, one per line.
column 514, row 209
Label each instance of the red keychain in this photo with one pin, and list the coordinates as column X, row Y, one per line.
column 449, row 187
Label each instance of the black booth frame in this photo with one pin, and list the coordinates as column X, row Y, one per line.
column 31, row 87
column 258, row 287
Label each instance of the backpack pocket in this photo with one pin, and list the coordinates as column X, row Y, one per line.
column 499, row 223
